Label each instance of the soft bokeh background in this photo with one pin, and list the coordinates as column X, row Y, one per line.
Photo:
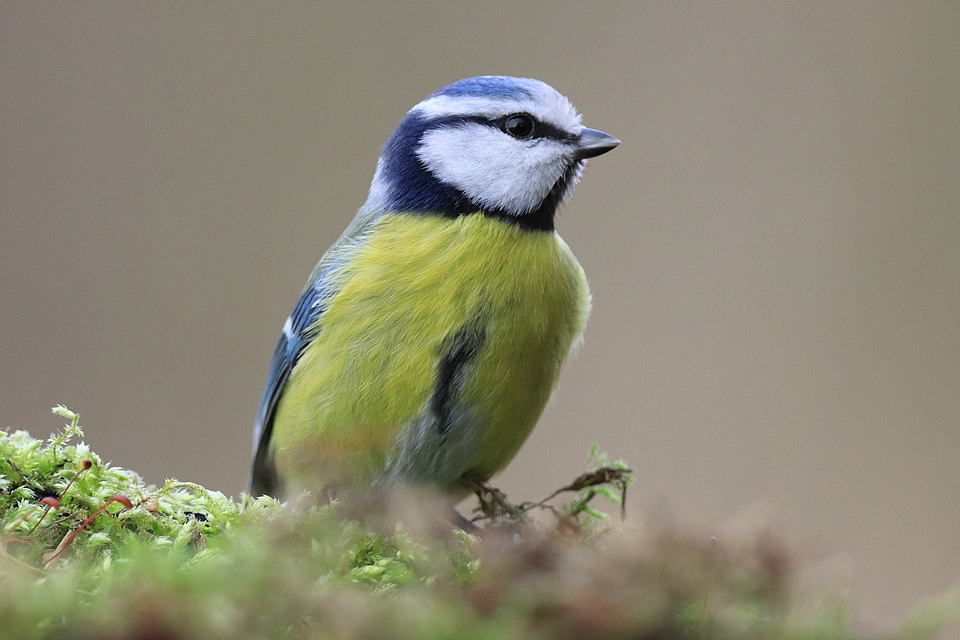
column 774, row 250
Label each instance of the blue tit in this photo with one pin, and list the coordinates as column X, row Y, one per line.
column 430, row 336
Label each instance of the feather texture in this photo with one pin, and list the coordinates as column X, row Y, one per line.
column 429, row 338
column 358, row 407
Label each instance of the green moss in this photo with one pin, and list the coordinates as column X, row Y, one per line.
column 181, row 561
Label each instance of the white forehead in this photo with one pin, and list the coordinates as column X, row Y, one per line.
column 496, row 96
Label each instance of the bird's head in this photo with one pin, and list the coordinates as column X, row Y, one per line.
column 510, row 147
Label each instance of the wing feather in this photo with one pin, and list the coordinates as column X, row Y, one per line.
column 299, row 329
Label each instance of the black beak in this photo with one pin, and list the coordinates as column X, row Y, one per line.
column 593, row 143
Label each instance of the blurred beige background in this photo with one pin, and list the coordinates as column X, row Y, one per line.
column 774, row 250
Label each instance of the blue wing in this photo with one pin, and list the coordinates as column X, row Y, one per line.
column 299, row 329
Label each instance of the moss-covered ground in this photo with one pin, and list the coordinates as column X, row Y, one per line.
column 87, row 550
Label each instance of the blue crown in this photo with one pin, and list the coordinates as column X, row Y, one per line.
column 486, row 86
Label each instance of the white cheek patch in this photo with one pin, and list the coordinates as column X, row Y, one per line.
column 491, row 168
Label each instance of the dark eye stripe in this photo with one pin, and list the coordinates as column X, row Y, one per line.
column 541, row 129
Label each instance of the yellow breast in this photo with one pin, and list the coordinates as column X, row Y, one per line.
column 409, row 285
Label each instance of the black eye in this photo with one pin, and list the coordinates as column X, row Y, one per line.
column 519, row 125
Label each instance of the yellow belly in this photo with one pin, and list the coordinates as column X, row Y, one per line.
column 411, row 284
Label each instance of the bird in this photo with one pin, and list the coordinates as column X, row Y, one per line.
column 430, row 336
